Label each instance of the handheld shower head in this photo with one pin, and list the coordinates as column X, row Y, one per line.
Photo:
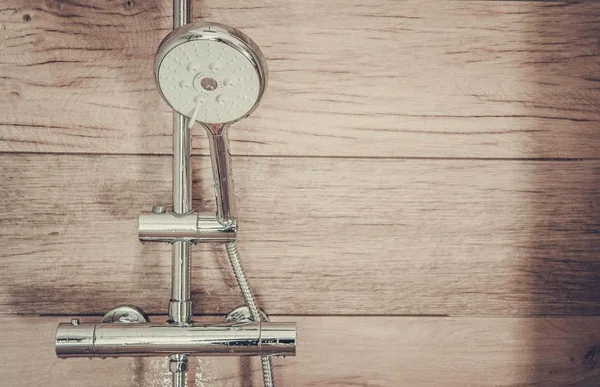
column 215, row 75
column 211, row 71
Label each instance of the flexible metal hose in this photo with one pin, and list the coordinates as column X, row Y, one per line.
column 238, row 270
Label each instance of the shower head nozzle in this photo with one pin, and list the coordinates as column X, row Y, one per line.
column 211, row 72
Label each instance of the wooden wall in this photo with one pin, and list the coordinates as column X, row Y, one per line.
column 419, row 190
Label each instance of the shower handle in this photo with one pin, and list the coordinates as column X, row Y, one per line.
column 221, row 167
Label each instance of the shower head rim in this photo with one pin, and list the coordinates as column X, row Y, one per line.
column 212, row 31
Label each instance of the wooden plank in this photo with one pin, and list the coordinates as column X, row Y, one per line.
column 318, row 236
column 388, row 79
column 341, row 351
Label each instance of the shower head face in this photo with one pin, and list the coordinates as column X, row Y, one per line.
column 212, row 70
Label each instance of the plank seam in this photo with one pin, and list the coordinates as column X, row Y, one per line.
column 432, row 158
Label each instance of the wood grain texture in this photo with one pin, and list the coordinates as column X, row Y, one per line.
column 387, row 79
column 318, row 236
column 398, row 165
column 342, row 351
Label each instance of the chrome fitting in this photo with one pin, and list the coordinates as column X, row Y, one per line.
column 148, row 339
column 180, row 311
column 125, row 314
column 178, row 364
column 169, row 227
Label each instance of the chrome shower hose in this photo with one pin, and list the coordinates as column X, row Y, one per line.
column 238, row 270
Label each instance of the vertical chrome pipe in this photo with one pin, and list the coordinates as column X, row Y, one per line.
column 180, row 306
column 178, row 365
column 180, row 310
column 220, row 159
column 182, row 144
column 179, row 376
column 182, row 12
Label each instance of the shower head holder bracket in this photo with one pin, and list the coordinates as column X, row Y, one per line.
column 193, row 227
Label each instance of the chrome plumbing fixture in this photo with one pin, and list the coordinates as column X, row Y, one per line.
column 149, row 339
column 213, row 75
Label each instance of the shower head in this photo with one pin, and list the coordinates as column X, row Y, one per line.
column 210, row 73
